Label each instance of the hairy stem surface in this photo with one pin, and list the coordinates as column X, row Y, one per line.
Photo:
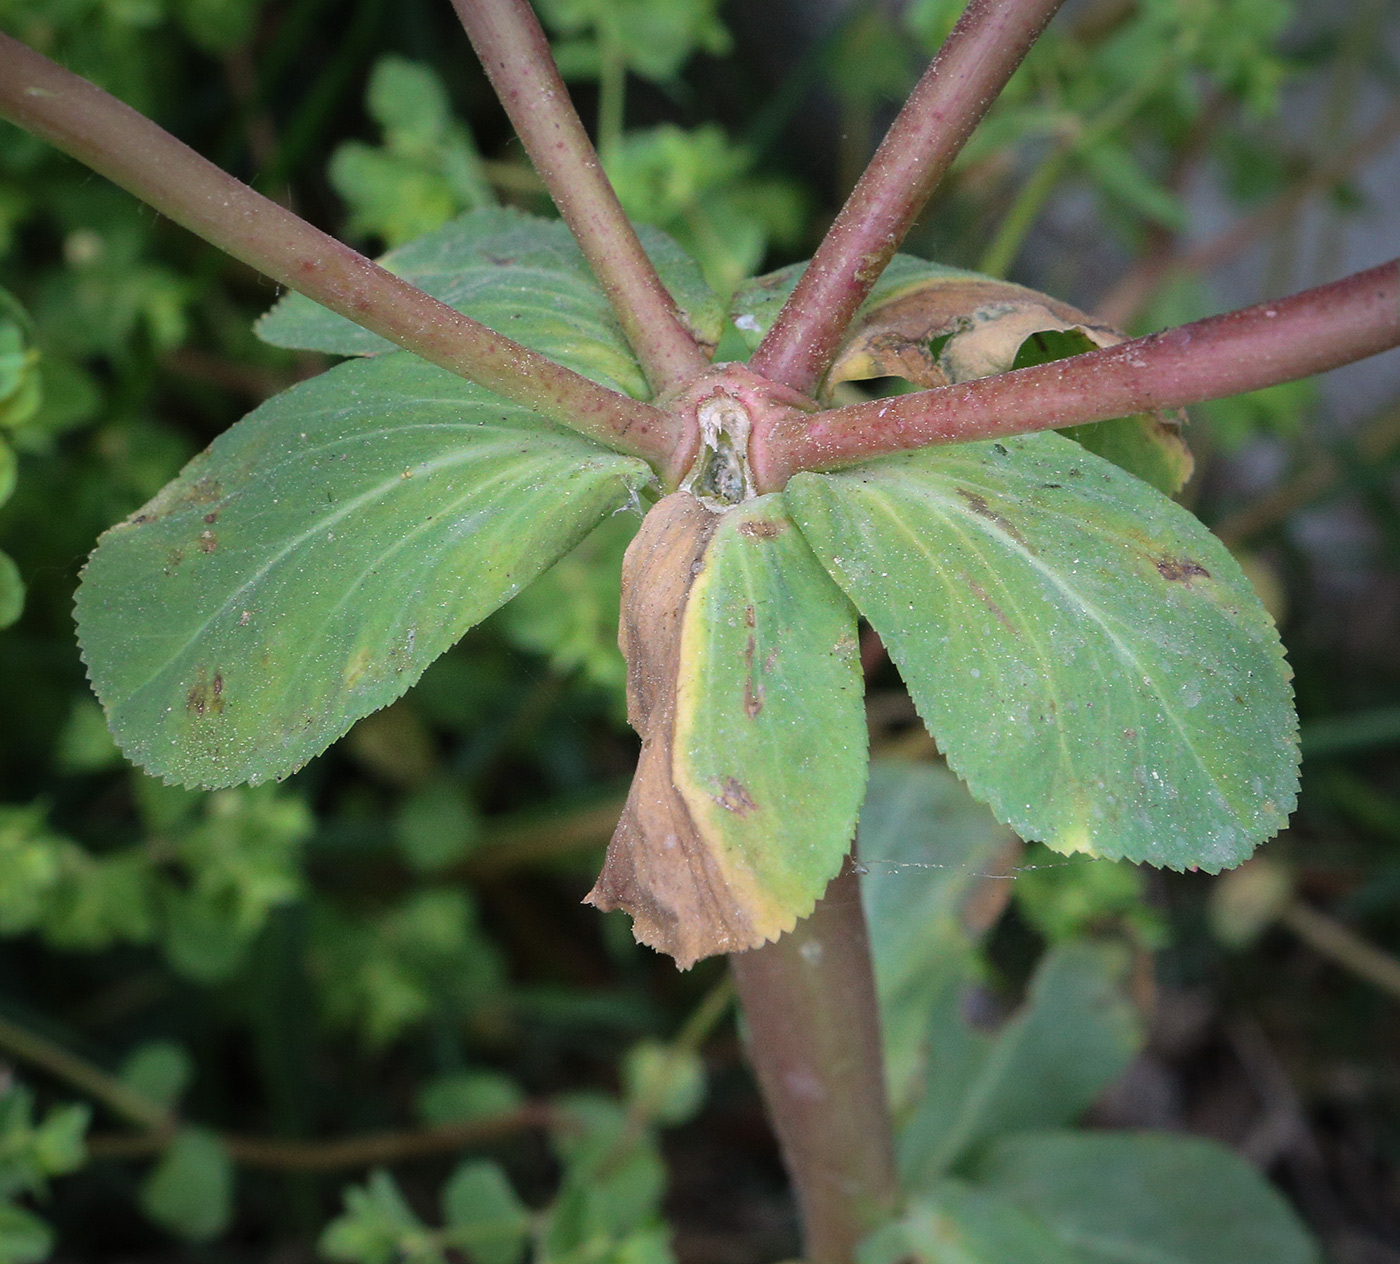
column 515, row 54
column 980, row 55
column 814, row 1039
column 1244, row 350
column 113, row 139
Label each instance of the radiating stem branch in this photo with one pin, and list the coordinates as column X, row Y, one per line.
column 1244, row 350
column 113, row 139
column 980, row 55
column 814, row 1039
column 515, row 53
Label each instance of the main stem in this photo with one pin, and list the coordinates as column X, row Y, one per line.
column 980, row 55
column 113, row 139
column 814, row 1040
column 515, row 54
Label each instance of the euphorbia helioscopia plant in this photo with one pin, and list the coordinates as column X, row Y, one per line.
column 1091, row 661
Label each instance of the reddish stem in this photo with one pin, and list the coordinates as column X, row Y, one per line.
column 113, row 139
column 814, row 1039
column 980, row 55
column 1244, row 350
column 515, row 54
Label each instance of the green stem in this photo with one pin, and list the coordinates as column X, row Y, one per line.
column 1016, row 223
column 515, row 54
column 1011, row 233
column 814, row 1039
column 980, row 55
column 113, row 139
column 91, row 1080
column 374, row 1149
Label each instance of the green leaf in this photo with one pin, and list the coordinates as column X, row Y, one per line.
column 59, row 1145
column 304, row 570
column 1089, row 658
column 926, row 845
column 662, row 1082
column 377, row 1227
column 437, row 825
column 407, row 97
column 653, row 38
column 1149, row 445
column 393, row 195
column 190, row 1191
column 9, row 471
column 467, row 1095
column 11, row 591
column 696, row 185
column 1074, row 1036
column 24, row 1238
column 483, row 1214
column 745, row 685
column 1067, row 901
column 523, row 276
column 1150, row 1197
column 959, row 1224
column 160, row 1070
column 770, row 722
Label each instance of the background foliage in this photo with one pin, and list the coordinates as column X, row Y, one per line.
column 360, row 1014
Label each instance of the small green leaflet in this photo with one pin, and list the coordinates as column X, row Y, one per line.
column 1090, row 659
column 306, row 568
column 524, row 277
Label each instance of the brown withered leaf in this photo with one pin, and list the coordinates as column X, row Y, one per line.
column 953, row 327
column 744, row 684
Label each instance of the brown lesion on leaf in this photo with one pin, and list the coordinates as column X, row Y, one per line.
column 733, row 796
column 753, row 689
column 978, row 504
column 206, row 696
column 181, row 494
column 1181, row 570
column 762, row 528
column 982, row 595
column 208, row 542
column 953, row 328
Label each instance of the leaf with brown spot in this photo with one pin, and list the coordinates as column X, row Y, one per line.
column 744, row 683
column 933, row 325
column 1088, row 657
column 329, row 582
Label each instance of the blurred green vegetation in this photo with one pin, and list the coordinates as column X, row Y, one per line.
column 258, row 1002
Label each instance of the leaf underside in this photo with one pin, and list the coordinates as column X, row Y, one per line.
column 744, row 681
column 1089, row 658
column 524, row 277
column 304, row 570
